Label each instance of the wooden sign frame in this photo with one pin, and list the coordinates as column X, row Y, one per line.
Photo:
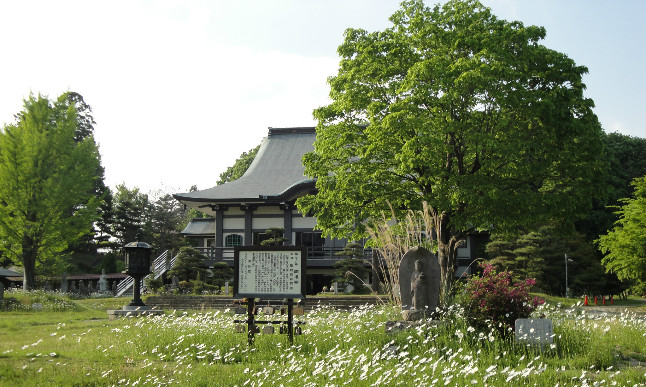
column 270, row 272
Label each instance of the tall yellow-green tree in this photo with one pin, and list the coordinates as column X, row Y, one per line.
column 47, row 181
column 625, row 245
column 459, row 109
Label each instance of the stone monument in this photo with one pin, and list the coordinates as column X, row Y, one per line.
column 103, row 282
column 175, row 282
column 419, row 281
column 64, row 287
column 534, row 331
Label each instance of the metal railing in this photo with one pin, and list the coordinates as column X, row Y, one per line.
column 225, row 254
column 159, row 265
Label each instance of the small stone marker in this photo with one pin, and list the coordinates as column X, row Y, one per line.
column 419, row 281
column 534, row 331
column 64, row 287
column 103, row 282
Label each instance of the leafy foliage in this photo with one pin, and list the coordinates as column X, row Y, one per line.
column 627, row 158
column 241, row 165
column 352, row 269
column 189, row 265
column 222, row 273
column 457, row 108
column 625, row 245
column 540, row 254
column 276, row 237
column 155, row 284
column 47, row 186
column 130, row 206
column 494, row 300
column 164, row 219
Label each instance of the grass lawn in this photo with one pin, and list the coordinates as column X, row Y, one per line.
column 72, row 343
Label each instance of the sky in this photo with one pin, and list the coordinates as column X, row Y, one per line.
column 179, row 89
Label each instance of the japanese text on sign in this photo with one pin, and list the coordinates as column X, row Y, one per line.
column 269, row 272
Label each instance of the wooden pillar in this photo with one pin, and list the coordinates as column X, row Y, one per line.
column 219, row 232
column 287, row 222
column 248, row 221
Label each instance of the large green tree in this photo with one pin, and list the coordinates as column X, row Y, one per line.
column 627, row 161
column 240, row 166
column 87, row 246
column 165, row 219
column 129, row 213
column 460, row 109
column 47, row 180
column 625, row 245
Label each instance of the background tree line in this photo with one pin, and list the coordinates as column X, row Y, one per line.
column 56, row 213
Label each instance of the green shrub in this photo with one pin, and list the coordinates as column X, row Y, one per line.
column 494, row 300
column 155, row 285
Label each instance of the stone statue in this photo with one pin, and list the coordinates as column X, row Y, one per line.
column 114, row 287
column 418, row 287
column 419, row 281
column 103, row 282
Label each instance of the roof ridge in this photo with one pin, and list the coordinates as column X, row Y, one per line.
column 294, row 130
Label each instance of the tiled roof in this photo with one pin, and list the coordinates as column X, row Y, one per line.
column 276, row 170
column 200, row 226
column 8, row 273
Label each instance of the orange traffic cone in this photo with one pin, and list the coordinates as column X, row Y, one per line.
column 585, row 300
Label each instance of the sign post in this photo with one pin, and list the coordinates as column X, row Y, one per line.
column 270, row 273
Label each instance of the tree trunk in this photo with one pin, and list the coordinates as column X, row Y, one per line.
column 447, row 253
column 447, row 257
column 28, row 263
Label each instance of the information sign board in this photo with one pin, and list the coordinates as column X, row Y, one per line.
column 269, row 272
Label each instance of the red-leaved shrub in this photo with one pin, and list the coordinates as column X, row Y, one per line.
column 494, row 300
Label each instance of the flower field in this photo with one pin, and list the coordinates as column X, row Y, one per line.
column 80, row 346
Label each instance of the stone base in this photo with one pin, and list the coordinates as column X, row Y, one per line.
column 130, row 311
column 413, row 315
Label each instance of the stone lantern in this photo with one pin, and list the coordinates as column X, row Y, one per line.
column 137, row 266
column 138, row 256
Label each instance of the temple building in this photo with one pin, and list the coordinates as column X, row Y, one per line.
column 242, row 210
